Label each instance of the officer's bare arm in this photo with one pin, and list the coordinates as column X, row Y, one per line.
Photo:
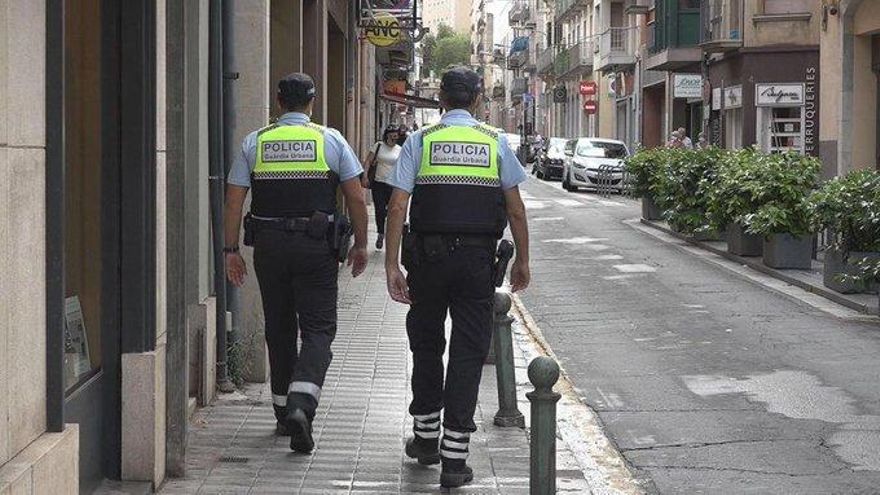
column 357, row 210
column 516, row 214
column 234, row 202
column 397, row 208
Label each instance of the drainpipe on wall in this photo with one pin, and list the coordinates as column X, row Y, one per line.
column 217, row 178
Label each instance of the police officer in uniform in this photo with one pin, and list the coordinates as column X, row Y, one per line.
column 294, row 168
column 463, row 180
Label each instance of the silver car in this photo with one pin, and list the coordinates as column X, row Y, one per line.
column 584, row 156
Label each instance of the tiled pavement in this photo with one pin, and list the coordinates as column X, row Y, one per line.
column 361, row 423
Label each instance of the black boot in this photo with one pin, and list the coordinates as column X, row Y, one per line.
column 423, row 450
column 455, row 474
column 281, row 429
column 300, row 427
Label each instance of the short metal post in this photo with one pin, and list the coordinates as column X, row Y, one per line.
column 508, row 414
column 543, row 373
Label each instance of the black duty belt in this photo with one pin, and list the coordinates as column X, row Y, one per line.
column 463, row 240
column 300, row 224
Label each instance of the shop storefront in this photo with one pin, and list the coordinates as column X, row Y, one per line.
column 766, row 98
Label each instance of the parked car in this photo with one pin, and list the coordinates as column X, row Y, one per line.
column 584, row 156
column 550, row 160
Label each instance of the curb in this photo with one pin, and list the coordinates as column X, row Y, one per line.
column 578, row 425
column 777, row 274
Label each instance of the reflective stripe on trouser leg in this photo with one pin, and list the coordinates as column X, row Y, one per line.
column 454, row 445
column 307, row 388
column 279, row 400
column 427, row 426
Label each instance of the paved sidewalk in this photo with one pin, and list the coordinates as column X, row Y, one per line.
column 361, row 423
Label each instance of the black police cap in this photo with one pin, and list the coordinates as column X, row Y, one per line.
column 298, row 86
column 461, row 78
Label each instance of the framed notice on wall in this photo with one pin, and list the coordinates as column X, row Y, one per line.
column 77, row 360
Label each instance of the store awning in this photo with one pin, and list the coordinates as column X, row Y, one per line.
column 411, row 100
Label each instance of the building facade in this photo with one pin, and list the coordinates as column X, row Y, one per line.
column 454, row 13
column 114, row 133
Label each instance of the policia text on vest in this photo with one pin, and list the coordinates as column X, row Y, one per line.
column 461, row 180
column 293, row 169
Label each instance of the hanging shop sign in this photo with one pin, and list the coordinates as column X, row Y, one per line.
column 779, row 95
column 687, row 86
column 559, row 94
column 732, row 97
column 385, row 31
column 588, row 88
column 590, row 107
column 371, row 11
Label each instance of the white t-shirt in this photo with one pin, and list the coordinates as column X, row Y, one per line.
column 386, row 159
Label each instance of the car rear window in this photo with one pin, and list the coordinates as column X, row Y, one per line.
column 602, row 149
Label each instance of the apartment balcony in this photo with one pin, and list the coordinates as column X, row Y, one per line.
column 518, row 59
column 519, row 12
column 616, row 49
column 544, row 64
column 576, row 60
column 673, row 37
column 519, row 87
column 722, row 24
column 567, row 8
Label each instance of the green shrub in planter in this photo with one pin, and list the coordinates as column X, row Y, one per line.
column 643, row 166
column 778, row 187
column 730, row 199
column 682, row 184
column 849, row 207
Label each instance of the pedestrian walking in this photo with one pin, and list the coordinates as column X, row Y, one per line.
column 463, row 180
column 379, row 165
column 702, row 143
column 294, row 168
column 675, row 141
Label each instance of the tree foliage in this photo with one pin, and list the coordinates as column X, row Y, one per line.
column 443, row 49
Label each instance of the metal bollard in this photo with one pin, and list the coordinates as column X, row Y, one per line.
column 543, row 373
column 508, row 414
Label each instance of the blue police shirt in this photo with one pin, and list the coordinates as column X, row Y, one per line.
column 404, row 175
column 339, row 155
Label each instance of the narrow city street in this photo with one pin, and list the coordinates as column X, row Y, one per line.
column 707, row 382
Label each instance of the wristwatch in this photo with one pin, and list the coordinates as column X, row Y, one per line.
column 230, row 250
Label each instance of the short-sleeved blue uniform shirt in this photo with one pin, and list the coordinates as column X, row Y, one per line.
column 339, row 155
column 404, row 175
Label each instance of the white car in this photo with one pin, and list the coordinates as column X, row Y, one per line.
column 584, row 156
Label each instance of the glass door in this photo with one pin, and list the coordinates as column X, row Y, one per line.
column 782, row 129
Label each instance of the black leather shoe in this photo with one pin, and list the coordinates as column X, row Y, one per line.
column 300, row 431
column 452, row 478
column 426, row 453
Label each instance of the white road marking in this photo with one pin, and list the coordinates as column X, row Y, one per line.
column 534, row 205
column 636, row 268
column 608, row 257
column 597, row 247
column 619, row 277
column 547, row 219
column 576, row 240
column 569, row 202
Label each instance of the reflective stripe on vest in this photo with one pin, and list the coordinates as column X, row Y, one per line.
column 459, row 155
column 291, row 152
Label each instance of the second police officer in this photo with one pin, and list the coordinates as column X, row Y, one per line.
column 463, row 180
column 294, row 168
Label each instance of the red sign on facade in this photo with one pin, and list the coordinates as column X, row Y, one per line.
column 590, row 107
column 588, row 88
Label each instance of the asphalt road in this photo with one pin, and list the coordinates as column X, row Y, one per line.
column 706, row 382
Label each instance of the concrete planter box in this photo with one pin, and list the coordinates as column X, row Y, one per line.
column 787, row 251
column 650, row 210
column 741, row 243
column 836, row 265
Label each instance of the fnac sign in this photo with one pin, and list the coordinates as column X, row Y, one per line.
column 384, row 31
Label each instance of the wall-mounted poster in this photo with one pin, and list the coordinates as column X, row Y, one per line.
column 77, row 361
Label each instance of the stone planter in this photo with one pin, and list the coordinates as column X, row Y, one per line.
column 650, row 210
column 836, row 266
column 741, row 243
column 787, row 251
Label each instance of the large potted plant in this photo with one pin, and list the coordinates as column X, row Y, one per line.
column 780, row 186
column 642, row 167
column 730, row 199
column 849, row 209
column 682, row 189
